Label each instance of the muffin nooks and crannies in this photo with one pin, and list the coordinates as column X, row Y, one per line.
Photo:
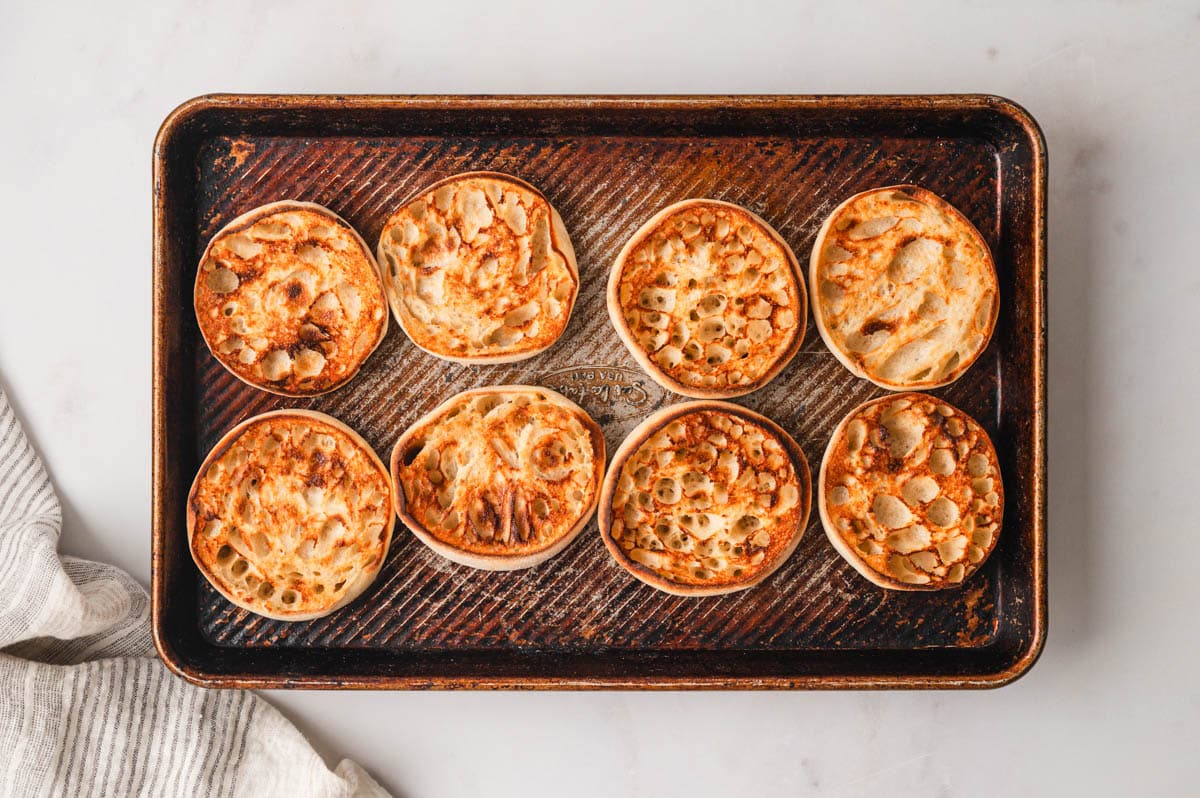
column 289, row 299
column 479, row 269
column 708, row 299
column 705, row 498
column 904, row 290
column 499, row 478
column 290, row 516
column 910, row 492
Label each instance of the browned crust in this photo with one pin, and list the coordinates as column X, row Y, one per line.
column 848, row 553
column 857, row 369
column 616, row 314
column 494, row 562
column 560, row 241
column 368, row 575
column 248, row 219
column 643, row 432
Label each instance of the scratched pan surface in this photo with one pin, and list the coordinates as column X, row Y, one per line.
column 606, row 164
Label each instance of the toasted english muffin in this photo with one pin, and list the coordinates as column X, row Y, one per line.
column 289, row 299
column 904, row 288
column 705, row 498
column 708, row 298
column 499, row 478
column 290, row 515
column 910, row 492
column 479, row 269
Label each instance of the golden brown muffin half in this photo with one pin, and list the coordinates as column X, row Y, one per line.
column 289, row 299
column 904, row 288
column 910, row 492
column 709, row 299
column 290, row 515
column 705, row 498
column 479, row 269
column 499, row 478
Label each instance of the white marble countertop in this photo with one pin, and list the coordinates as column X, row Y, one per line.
column 1112, row 708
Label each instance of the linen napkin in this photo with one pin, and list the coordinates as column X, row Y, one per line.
column 85, row 706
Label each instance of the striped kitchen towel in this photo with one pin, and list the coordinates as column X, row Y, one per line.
column 85, row 706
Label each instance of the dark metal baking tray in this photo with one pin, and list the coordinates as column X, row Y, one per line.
column 606, row 163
